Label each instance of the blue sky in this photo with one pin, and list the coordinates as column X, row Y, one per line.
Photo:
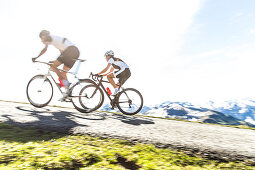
column 200, row 51
column 217, row 55
column 220, row 23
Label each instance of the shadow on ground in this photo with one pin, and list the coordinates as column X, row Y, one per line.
column 57, row 120
column 132, row 120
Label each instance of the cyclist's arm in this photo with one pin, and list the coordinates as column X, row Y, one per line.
column 104, row 70
column 111, row 70
column 42, row 52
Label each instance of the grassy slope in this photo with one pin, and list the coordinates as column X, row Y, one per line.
column 26, row 148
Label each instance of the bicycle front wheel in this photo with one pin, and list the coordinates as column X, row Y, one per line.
column 129, row 101
column 91, row 97
column 39, row 91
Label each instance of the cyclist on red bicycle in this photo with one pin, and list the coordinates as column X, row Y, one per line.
column 121, row 72
column 69, row 52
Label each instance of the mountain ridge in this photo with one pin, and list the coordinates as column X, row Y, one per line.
column 223, row 115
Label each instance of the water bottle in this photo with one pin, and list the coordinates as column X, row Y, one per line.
column 108, row 91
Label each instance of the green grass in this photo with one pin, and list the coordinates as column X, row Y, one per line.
column 26, row 148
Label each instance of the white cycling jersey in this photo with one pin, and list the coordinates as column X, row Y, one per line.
column 117, row 64
column 60, row 43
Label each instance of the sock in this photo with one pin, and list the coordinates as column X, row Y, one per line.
column 116, row 91
column 66, row 83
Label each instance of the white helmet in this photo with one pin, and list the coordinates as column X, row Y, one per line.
column 110, row 52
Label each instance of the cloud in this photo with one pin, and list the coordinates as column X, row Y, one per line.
column 221, row 74
column 252, row 31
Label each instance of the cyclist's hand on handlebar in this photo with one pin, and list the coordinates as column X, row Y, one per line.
column 96, row 76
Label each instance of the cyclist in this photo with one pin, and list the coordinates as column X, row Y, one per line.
column 69, row 52
column 121, row 72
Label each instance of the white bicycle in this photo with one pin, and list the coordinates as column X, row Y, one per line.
column 40, row 90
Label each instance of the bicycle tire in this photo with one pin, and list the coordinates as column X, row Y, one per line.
column 130, row 110
column 30, row 88
column 76, row 95
column 91, row 89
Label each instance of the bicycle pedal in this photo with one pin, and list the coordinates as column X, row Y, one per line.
column 65, row 100
column 68, row 100
column 113, row 106
column 61, row 100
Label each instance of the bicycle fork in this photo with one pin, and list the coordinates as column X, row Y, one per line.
column 44, row 80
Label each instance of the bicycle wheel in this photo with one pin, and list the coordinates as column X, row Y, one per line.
column 91, row 97
column 76, row 95
column 129, row 101
column 39, row 91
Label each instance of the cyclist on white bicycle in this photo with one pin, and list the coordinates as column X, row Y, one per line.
column 69, row 52
column 122, row 71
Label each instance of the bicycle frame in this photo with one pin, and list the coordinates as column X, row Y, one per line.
column 100, row 85
column 73, row 73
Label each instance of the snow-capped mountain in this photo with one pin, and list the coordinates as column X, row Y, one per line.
column 228, row 113
column 177, row 110
column 240, row 109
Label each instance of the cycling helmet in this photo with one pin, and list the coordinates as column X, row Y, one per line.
column 44, row 33
column 110, row 52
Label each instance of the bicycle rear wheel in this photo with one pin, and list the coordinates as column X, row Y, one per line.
column 39, row 91
column 129, row 101
column 91, row 97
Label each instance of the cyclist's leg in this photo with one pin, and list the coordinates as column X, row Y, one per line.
column 110, row 79
column 69, row 56
column 124, row 76
column 54, row 68
column 65, row 82
column 68, row 59
column 68, row 64
column 66, row 68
